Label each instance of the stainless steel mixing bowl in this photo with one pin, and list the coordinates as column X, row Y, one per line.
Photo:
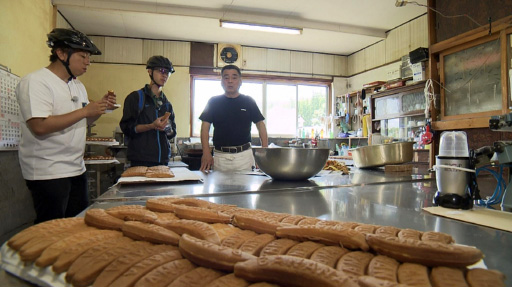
column 383, row 154
column 290, row 163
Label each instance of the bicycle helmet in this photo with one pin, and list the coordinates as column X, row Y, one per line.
column 73, row 39
column 159, row 62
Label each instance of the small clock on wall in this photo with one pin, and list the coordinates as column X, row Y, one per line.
column 229, row 54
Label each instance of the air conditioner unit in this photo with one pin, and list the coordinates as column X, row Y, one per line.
column 229, row 54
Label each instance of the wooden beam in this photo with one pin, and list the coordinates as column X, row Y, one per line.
column 479, row 32
column 461, row 124
column 433, row 61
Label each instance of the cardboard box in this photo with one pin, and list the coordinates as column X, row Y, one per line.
column 394, row 73
column 418, row 72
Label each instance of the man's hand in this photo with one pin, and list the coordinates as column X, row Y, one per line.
column 160, row 123
column 110, row 99
column 206, row 162
column 95, row 109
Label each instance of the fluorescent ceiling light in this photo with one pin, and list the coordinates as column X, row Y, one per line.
column 260, row 27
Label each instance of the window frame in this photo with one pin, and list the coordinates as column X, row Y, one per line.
column 266, row 80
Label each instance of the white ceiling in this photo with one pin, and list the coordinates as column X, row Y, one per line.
column 329, row 26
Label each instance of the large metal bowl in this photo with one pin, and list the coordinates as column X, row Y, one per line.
column 383, row 154
column 290, row 163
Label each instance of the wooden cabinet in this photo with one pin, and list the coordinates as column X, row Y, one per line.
column 398, row 112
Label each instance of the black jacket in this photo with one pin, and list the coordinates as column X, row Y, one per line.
column 150, row 146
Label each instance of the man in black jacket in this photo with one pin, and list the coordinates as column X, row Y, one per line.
column 148, row 118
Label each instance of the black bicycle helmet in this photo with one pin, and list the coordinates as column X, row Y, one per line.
column 73, row 39
column 160, row 62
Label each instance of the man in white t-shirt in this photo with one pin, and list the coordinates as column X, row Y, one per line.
column 55, row 112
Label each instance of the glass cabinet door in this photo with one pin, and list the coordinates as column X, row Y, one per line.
column 472, row 80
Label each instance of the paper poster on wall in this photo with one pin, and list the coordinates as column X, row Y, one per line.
column 10, row 133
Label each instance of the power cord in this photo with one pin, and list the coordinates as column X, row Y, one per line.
column 501, row 186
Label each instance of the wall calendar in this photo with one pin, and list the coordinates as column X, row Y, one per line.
column 10, row 133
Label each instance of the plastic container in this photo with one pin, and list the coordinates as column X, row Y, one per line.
column 453, row 144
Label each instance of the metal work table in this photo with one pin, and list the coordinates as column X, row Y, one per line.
column 220, row 182
column 365, row 196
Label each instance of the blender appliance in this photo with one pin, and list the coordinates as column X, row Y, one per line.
column 455, row 172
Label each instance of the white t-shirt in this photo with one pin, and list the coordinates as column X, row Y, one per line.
column 60, row 154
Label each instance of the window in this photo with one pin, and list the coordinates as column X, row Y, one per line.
column 290, row 108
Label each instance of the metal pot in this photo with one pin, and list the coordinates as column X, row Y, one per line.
column 383, row 154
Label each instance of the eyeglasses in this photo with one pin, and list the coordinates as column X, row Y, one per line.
column 163, row 71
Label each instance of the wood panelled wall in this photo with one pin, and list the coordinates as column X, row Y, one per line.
column 479, row 10
column 399, row 42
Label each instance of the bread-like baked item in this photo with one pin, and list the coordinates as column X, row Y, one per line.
column 35, row 247
column 366, row 228
column 159, row 171
column 260, row 223
column 328, row 255
column 291, row 271
column 330, row 235
column 388, row 231
column 150, row 232
column 447, row 277
column 479, row 277
column 99, row 157
column 263, row 284
column 225, row 230
column 99, row 218
column 71, row 254
column 424, row 252
column 135, row 171
column 167, row 204
column 165, row 215
column 384, row 268
column 308, row 221
column 414, row 275
column 197, row 229
column 133, row 214
column 409, row 234
column 292, row 219
column 201, row 214
column 437, row 237
column 42, row 229
column 229, row 280
column 92, row 253
column 370, row 281
column 341, row 224
column 207, row 254
column 160, row 204
column 237, row 239
column 166, row 116
column 254, row 244
column 137, row 271
column 197, row 277
column 304, row 249
column 124, row 262
column 52, row 252
column 86, row 276
column 278, row 247
column 165, row 274
column 355, row 263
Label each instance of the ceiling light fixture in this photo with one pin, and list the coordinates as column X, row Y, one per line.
column 260, row 27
